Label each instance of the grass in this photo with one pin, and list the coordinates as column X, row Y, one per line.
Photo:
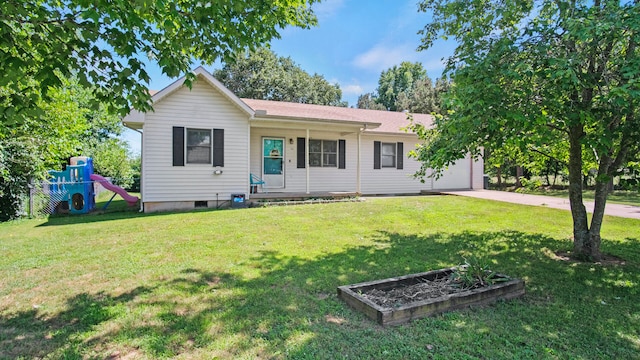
column 616, row 197
column 261, row 283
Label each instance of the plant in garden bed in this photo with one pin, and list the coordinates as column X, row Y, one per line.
column 475, row 273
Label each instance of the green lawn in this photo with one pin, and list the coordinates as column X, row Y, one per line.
column 617, row 197
column 623, row 197
column 261, row 283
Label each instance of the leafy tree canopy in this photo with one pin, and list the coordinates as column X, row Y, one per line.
column 396, row 80
column 530, row 74
column 368, row 101
column 406, row 87
column 261, row 74
column 105, row 43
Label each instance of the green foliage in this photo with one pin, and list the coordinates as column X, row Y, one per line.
column 29, row 149
column 261, row 74
column 396, row 80
column 72, row 128
column 368, row 101
column 111, row 159
column 530, row 184
column 406, row 87
column 475, row 273
column 136, row 168
column 102, row 42
column 558, row 77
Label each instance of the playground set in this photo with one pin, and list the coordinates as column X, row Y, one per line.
column 72, row 189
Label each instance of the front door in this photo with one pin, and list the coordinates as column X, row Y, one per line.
column 273, row 163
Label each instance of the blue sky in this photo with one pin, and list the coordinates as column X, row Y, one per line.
column 355, row 40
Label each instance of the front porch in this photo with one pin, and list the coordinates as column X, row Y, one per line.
column 284, row 197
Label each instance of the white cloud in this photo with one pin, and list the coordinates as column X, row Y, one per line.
column 353, row 89
column 382, row 57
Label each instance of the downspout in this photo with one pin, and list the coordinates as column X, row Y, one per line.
column 306, row 155
column 248, row 174
column 141, row 167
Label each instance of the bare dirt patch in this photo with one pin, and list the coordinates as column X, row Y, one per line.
column 606, row 259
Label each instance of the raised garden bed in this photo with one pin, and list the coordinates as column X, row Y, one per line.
column 391, row 301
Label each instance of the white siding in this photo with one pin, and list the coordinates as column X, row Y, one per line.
column 477, row 181
column 201, row 107
column 390, row 180
column 455, row 177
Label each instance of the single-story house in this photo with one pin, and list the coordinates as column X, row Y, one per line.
column 200, row 146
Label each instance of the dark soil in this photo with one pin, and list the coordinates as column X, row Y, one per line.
column 424, row 290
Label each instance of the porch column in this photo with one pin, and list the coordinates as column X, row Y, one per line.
column 247, row 176
column 358, row 190
column 306, row 156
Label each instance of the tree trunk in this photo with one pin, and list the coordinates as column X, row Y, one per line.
column 499, row 175
column 546, row 174
column 585, row 245
column 519, row 174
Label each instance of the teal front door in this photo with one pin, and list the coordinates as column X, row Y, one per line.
column 273, row 163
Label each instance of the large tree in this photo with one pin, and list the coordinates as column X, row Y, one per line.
column 261, row 74
column 396, row 80
column 105, row 44
column 406, row 87
column 530, row 73
column 368, row 101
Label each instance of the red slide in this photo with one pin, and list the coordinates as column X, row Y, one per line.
column 130, row 199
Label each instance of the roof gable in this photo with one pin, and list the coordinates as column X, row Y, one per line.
column 203, row 74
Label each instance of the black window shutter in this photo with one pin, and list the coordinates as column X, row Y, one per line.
column 218, row 147
column 178, row 146
column 376, row 154
column 399, row 155
column 300, row 154
column 342, row 148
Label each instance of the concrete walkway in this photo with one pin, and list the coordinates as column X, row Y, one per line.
column 626, row 211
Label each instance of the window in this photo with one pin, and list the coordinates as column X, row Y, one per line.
column 323, row 153
column 198, row 146
column 388, row 155
column 202, row 146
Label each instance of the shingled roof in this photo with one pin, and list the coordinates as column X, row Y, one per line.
column 390, row 121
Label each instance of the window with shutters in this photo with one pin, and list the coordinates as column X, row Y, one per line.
column 388, row 155
column 198, row 146
column 323, row 153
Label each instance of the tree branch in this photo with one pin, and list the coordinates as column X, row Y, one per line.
column 548, row 156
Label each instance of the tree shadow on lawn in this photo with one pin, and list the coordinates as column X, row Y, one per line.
column 290, row 310
column 99, row 216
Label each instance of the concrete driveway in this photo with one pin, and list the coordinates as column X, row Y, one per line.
column 626, row 211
